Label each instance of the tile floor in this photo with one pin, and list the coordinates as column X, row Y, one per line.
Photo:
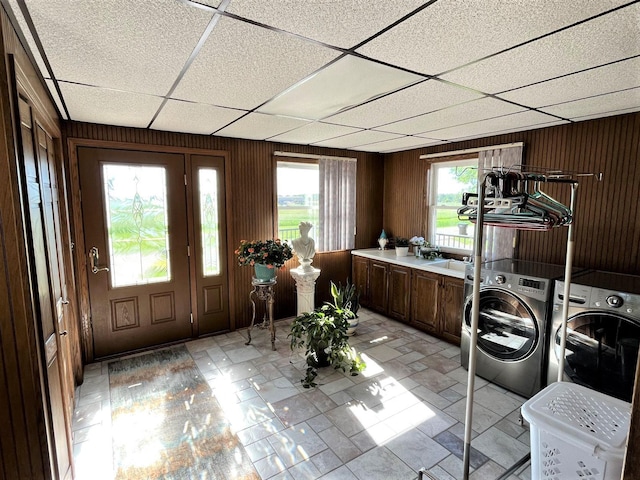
column 405, row 412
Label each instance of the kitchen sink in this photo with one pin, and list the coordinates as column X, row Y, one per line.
column 457, row 265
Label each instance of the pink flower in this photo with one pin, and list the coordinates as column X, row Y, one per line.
column 252, row 263
column 251, row 250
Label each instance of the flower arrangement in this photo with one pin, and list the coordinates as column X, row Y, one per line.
column 271, row 253
column 415, row 240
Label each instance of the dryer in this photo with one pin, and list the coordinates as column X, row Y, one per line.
column 514, row 315
column 603, row 332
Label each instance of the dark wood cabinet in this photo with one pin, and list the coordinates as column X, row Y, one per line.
column 424, row 300
column 399, row 293
column 360, row 275
column 452, row 295
column 378, row 291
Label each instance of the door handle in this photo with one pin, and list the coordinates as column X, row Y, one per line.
column 94, row 258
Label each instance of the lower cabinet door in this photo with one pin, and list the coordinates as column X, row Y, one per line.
column 452, row 298
column 399, row 292
column 425, row 287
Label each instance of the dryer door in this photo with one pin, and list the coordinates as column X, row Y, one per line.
column 507, row 328
column 601, row 352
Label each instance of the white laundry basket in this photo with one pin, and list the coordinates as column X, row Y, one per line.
column 576, row 433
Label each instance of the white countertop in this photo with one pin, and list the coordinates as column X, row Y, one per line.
column 438, row 265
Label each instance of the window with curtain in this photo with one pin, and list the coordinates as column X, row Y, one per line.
column 320, row 190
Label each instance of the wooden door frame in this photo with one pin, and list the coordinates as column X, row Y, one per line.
column 80, row 261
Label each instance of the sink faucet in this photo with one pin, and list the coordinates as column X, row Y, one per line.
column 467, row 259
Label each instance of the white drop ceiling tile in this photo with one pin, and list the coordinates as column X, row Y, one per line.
column 257, row 126
column 398, row 144
column 56, row 98
column 597, row 105
column 607, row 114
column 242, row 65
column 313, row 133
column 448, row 34
column 515, row 122
column 199, row 118
column 614, row 36
column 415, row 100
column 109, row 107
column 135, row 46
column 467, row 112
column 22, row 24
column 617, row 76
column 347, row 82
column 356, row 139
column 334, row 23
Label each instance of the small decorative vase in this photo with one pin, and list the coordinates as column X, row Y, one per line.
column 264, row 273
column 402, row 251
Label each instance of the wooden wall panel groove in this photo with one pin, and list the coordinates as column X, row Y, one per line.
column 607, row 215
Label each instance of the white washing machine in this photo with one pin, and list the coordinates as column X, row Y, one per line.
column 515, row 308
column 603, row 332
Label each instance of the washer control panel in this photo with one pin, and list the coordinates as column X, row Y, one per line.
column 614, row 301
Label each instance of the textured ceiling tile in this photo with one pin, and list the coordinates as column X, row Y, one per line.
column 459, row 114
column 451, row 33
column 257, row 126
column 347, row 82
column 607, row 114
column 357, row 139
column 177, row 116
column 608, row 38
column 242, row 66
column 312, row 133
column 110, row 107
column 135, row 46
column 617, row 76
column 515, row 122
column 338, row 23
column 56, row 98
column 600, row 104
column 398, row 144
column 29, row 37
column 418, row 99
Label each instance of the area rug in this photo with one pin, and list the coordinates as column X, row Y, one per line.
column 166, row 424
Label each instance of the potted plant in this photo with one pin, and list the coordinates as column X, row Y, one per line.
column 402, row 246
column 348, row 298
column 417, row 242
column 265, row 256
column 323, row 335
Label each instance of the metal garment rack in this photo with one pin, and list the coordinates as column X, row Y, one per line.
column 538, row 176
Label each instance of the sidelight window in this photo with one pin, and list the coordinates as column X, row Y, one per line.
column 209, row 221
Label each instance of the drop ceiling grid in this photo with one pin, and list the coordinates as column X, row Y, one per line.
column 614, row 36
column 415, row 100
column 517, row 121
column 608, row 78
column 334, row 23
column 357, row 139
column 402, row 143
column 200, row 118
column 347, row 82
column 600, row 104
column 15, row 8
column 473, row 111
column 56, row 98
column 242, row 65
column 449, row 34
column 94, row 43
column 110, row 107
column 258, row 126
column 312, row 133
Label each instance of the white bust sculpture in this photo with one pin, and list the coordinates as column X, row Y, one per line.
column 304, row 247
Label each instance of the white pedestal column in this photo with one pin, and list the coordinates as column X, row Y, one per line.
column 306, row 287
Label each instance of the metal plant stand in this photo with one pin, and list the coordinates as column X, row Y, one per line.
column 263, row 290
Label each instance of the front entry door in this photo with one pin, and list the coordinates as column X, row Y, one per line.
column 135, row 225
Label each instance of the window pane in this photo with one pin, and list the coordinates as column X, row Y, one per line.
column 209, row 223
column 451, row 180
column 298, row 198
column 137, row 224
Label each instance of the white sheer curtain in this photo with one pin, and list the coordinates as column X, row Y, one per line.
column 497, row 242
column 337, row 204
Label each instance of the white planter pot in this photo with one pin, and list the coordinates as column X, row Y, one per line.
column 402, row 251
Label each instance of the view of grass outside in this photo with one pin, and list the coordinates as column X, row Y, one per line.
column 298, row 192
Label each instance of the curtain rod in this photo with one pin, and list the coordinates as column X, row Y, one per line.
column 471, row 150
column 309, row 155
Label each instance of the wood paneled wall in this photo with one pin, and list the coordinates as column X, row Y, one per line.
column 607, row 225
column 252, row 196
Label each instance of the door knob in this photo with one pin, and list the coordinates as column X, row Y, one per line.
column 94, row 259
column 63, row 333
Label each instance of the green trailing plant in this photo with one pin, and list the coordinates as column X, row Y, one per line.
column 323, row 335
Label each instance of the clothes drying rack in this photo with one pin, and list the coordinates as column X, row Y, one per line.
column 500, row 206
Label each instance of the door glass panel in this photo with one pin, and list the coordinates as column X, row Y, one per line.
column 506, row 327
column 209, row 221
column 137, row 224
